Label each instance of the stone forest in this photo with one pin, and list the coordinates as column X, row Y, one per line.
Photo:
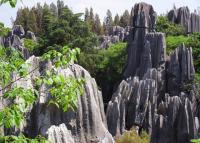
column 145, row 92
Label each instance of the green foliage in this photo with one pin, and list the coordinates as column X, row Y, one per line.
column 167, row 27
column 172, row 42
column 3, row 31
column 70, row 87
column 133, row 137
column 105, row 65
column 64, row 90
column 31, row 45
column 195, row 141
column 11, row 2
column 10, row 61
column 192, row 40
column 59, row 29
column 22, row 139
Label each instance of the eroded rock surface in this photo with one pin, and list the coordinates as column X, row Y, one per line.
column 87, row 124
column 182, row 16
column 158, row 92
column 14, row 39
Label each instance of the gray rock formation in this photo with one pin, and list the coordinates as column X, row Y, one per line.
column 182, row 16
column 158, row 92
column 30, row 35
column 87, row 123
column 143, row 22
column 115, row 34
column 14, row 39
column 60, row 134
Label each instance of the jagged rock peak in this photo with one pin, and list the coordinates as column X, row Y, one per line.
column 155, row 95
column 182, row 16
column 144, row 18
column 14, row 39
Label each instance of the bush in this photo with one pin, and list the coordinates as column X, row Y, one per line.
column 31, row 45
column 133, row 137
column 167, row 27
column 106, row 66
column 174, row 41
column 192, row 40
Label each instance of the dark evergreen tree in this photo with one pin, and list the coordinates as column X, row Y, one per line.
column 116, row 19
column 108, row 19
column 87, row 15
column 97, row 25
column 60, row 6
column 54, row 9
column 125, row 19
column 31, row 21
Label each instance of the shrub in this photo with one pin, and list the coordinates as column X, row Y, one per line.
column 133, row 137
column 167, row 27
column 106, row 66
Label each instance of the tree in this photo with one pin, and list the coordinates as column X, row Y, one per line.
column 125, row 19
column 116, row 20
column 108, row 19
column 92, row 20
column 31, row 22
column 167, row 27
column 60, row 6
column 54, row 10
column 87, row 15
column 22, row 18
column 97, row 25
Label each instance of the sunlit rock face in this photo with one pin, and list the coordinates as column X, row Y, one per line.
column 153, row 95
column 182, row 16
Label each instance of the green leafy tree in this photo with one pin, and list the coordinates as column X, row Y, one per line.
column 106, row 66
column 163, row 25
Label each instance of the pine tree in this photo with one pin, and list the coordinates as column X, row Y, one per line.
column 108, row 19
column 97, row 25
column 53, row 9
column 60, row 6
column 108, row 22
column 87, row 15
column 39, row 16
column 91, row 20
column 32, row 23
column 125, row 19
column 116, row 20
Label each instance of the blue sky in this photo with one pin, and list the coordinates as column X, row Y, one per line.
column 99, row 6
